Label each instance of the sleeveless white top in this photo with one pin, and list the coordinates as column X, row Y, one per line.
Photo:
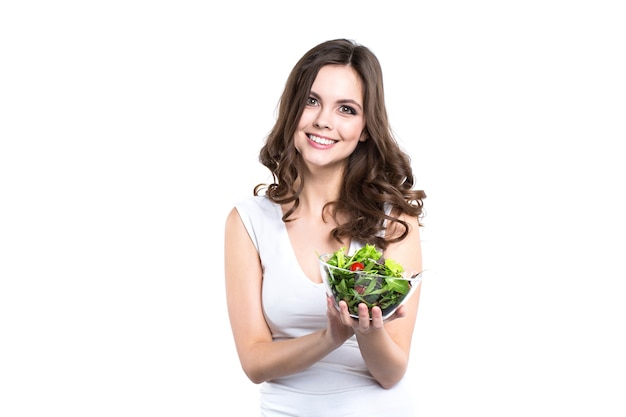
column 339, row 384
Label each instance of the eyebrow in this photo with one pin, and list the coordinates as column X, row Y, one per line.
column 356, row 103
column 340, row 101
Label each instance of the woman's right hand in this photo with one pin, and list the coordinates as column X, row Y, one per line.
column 336, row 330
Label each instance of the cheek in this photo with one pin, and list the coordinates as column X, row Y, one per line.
column 306, row 119
column 299, row 137
column 356, row 132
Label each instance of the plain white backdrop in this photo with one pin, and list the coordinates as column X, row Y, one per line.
column 128, row 129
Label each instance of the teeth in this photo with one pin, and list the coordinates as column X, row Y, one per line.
column 321, row 141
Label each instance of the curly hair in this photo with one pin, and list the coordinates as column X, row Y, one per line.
column 378, row 181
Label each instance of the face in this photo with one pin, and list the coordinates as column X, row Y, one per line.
column 333, row 122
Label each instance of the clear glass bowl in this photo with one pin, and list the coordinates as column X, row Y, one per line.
column 357, row 287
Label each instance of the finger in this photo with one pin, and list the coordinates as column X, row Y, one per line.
column 331, row 309
column 400, row 312
column 377, row 317
column 364, row 318
column 344, row 313
column 330, row 302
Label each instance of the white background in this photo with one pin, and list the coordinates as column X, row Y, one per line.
column 128, row 129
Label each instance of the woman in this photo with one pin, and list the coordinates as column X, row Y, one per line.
column 340, row 180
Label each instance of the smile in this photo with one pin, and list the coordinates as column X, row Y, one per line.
column 321, row 141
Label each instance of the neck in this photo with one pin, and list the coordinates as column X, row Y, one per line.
column 319, row 189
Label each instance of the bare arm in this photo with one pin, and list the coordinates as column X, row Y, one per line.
column 261, row 358
column 385, row 346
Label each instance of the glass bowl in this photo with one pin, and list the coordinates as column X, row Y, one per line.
column 355, row 287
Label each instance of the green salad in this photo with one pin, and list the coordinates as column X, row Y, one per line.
column 364, row 277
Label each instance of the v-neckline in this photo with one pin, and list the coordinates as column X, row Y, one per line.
column 279, row 212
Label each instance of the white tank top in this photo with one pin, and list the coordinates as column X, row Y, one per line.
column 339, row 384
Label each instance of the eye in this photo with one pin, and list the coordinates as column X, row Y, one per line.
column 347, row 110
column 311, row 101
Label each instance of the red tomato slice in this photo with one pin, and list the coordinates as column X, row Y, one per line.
column 357, row 266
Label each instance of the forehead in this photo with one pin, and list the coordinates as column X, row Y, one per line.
column 338, row 82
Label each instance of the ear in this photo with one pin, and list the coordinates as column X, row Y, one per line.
column 364, row 136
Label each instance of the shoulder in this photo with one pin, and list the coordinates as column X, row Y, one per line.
column 408, row 250
column 257, row 212
column 247, row 208
column 256, row 217
column 257, row 202
column 404, row 221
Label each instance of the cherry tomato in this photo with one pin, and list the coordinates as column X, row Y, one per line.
column 357, row 266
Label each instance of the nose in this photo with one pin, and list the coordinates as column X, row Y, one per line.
column 322, row 120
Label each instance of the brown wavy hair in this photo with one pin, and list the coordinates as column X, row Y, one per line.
column 378, row 175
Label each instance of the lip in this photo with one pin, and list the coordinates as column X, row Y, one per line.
column 317, row 144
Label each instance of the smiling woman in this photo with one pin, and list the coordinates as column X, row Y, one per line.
column 332, row 117
column 340, row 180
